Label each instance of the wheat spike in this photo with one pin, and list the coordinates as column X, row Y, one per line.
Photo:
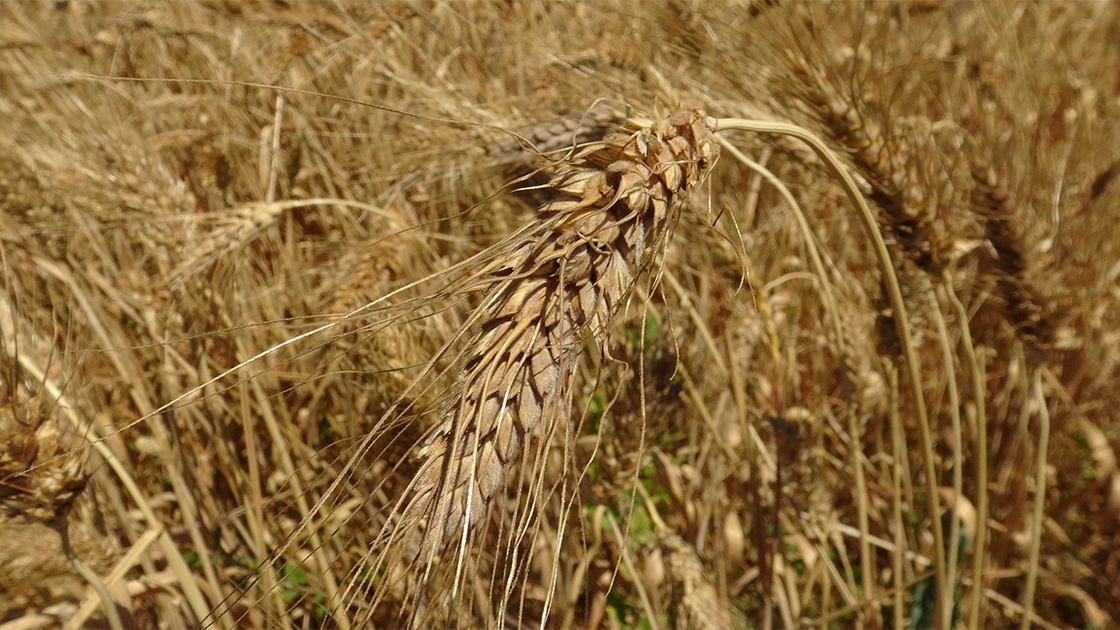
column 615, row 203
column 41, row 473
column 886, row 162
column 1021, row 300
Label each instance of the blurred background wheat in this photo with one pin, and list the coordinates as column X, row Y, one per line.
column 225, row 306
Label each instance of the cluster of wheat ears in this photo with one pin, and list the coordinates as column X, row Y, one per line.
column 498, row 390
column 546, row 291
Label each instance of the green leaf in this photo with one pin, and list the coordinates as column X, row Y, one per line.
column 641, row 527
column 326, row 435
column 293, row 574
column 595, row 412
column 619, row 608
column 652, row 329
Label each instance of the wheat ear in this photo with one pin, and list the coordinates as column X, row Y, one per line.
column 886, row 162
column 564, row 281
column 1022, row 302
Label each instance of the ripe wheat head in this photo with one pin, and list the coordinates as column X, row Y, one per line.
column 613, row 207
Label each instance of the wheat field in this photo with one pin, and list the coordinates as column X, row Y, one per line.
column 615, row 314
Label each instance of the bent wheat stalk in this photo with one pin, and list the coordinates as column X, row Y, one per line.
column 901, row 318
column 563, row 281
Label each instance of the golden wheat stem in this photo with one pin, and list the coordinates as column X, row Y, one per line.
column 255, row 514
column 897, row 592
column 288, row 466
column 123, row 566
column 896, row 492
column 576, row 584
column 635, row 577
column 846, row 587
column 705, row 413
column 273, row 166
column 701, row 325
column 980, row 395
column 902, row 320
column 60, row 525
column 955, row 415
column 781, row 594
column 1039, row 498
column 1014, row 607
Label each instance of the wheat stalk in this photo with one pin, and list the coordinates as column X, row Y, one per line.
column 902, row 323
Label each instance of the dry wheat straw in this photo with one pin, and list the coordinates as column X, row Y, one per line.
column 1023, row 311
column 955, row 415
column 890, row 165
column 615, row 204
column 891, row 169
column 841, row 351
column 1039, row 497
column 979, row 394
